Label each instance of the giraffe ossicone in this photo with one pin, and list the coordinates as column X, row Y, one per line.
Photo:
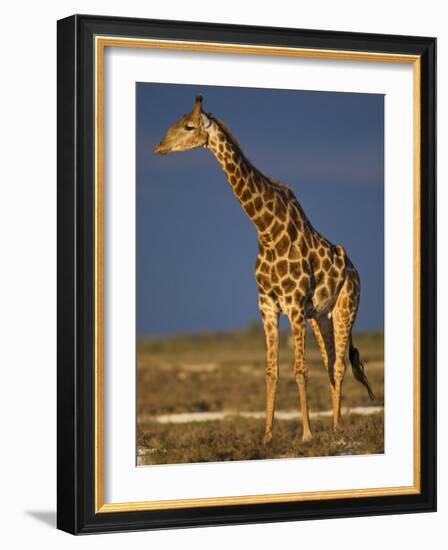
column 298, row 271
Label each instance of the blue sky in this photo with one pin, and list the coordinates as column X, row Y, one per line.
column 196, row 248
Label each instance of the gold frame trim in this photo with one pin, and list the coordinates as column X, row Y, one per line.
column 101, row 42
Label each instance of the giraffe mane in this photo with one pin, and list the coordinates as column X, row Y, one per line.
column 223, row 126
column 228, row 133
column 278, row 184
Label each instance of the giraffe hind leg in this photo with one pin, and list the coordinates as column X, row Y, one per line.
column 323, row 329
column 344, row 314
column 320, row 341
column 324, row 333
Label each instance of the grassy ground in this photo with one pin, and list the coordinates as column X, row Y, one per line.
column 237, row 438
column 225, row 372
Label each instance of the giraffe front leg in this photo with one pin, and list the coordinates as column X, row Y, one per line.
column 297, row 321
column 270, row 315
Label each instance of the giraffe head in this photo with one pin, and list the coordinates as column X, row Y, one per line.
column 188, row 132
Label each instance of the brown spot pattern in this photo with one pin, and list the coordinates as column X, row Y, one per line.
column 282, row 267
column 289, row 285
column 282, row 245
column 292, row 232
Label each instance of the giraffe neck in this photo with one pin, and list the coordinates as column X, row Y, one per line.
column 254, row 191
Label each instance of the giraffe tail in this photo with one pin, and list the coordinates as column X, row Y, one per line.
column 358, row 368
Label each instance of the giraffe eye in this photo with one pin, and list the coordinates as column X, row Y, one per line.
column 189, row 128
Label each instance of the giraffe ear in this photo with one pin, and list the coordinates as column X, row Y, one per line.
column 205, row 121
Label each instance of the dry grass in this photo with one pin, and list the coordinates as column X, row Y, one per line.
column 215, row 372
column 239, row 438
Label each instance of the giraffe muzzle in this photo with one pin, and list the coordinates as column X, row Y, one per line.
column 160, row 150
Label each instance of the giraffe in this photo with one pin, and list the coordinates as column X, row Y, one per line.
column 298, row 271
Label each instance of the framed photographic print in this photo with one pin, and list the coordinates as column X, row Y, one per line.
column 246, row 274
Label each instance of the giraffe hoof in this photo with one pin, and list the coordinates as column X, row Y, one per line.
column 307, row 436
column 267, row 438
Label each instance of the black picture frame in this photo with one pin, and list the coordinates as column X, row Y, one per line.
column 76, row 286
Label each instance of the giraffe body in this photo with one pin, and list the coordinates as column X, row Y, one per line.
column 298, row 271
